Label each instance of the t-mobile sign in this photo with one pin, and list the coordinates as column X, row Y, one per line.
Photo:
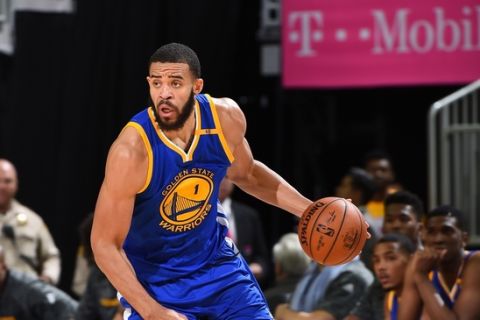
column 348, row 43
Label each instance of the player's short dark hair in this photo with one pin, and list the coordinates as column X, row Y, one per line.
column 376, row 154
column 406, row 244
column 448, row 211
column 408, row 198
column 177, row 53
column 363, row 181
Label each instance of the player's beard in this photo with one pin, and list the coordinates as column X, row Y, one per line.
column 183, row 115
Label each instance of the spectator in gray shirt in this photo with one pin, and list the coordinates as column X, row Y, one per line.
column 24, row 297
column 327, row 292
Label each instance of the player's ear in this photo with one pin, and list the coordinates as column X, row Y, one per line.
column 465, row 238
column 198, row 85
column 421, row 232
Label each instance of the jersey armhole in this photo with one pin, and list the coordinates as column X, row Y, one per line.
column 216, row 120
column 148, row 147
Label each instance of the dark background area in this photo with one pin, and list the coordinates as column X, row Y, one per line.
column 75, row 80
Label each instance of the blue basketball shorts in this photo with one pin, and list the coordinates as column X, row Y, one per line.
column 225, row 289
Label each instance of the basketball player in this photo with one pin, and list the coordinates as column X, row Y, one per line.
column 158, row 232
column 391, row 254
column 443, row 278
column 403, row 214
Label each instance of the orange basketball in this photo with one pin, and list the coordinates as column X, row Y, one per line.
column 332, row 231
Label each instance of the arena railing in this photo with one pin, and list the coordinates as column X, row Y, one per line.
column 454, row 154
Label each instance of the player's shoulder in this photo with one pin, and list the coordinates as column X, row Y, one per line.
column 229, row 111
column 128, row 145
column 472, row 265
column 474, row 258
column 225, row 103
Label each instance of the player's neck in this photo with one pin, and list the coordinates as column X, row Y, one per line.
column 183, row 136
column 451, row 270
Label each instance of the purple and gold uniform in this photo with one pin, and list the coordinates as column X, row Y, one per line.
column 176, row 242
column 449, row 296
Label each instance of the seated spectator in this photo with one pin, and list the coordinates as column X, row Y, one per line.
column 403, row 214
column 327, row 292
column 290, row 263
column 379, row 165
column 80, row 272
column 443, row 279
column 28, row 245
column 391, row 255
column 358, row 185
column 99, row 300
column 25, row 297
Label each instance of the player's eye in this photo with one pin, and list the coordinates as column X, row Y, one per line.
column 391, row 257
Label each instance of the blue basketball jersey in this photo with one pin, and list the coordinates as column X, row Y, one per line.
column 177, row 225
column 392, row 304
column 449, row 296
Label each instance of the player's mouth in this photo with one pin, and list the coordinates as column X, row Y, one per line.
column 441, row 250
column 384, row 280
column 165, row 110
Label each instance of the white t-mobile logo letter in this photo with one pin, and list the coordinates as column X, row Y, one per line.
column 309, row 30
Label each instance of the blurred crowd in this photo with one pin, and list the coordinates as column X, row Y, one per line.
column 415, row 265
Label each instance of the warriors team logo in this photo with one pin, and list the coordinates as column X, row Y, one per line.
column 185, row 204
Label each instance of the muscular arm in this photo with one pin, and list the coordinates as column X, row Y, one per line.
column 251, row 175
column 125, row 174
column 410, row 306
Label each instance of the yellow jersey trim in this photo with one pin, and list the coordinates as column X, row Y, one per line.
column 109, row 303
column 198, row 127
column 216, row 120
column 207, row 131
column 185, row 156
column 451, row 292
column 148, row 147
column 390, row 296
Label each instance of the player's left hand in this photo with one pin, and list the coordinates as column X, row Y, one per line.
column 424, row 260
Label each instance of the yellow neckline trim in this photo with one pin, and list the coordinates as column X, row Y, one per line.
column 390, row 296
column 451, row 292
column 186, row 156
column 456, row 286
column 148, row 147
column 216, row 120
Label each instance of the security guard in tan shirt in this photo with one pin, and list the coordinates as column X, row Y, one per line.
column 27, row 243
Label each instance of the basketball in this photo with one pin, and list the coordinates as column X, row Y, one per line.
column 332, row 231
